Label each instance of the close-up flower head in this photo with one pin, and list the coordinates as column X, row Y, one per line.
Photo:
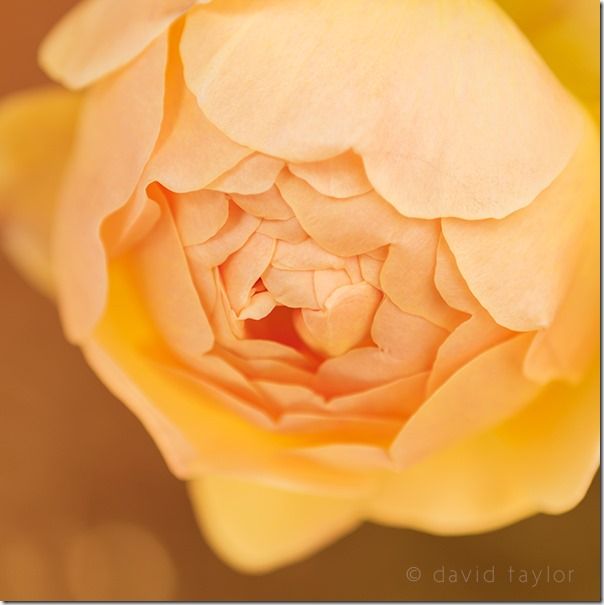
column 339, row 257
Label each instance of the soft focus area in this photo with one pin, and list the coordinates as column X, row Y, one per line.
column 89, row 510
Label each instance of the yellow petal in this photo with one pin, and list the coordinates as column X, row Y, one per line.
column 520, row 268
column 36, row 135
column 99, row 36
column 541, row 460
column 113, row 144
column 436, row 84
column 486, row 391
column 256, row 527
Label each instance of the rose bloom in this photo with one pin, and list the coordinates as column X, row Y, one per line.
column 340, row 257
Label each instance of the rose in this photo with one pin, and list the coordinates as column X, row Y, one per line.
column 339, row 258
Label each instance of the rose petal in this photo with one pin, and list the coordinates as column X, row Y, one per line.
column 327, row 281
column 36, row 135
column 120, row 149
column 98, row 36
column 269, row 204
column 342, row 176
column 254, row 174
column 306, row 255
column 288, row 230
column 408, row 104
column 343, row 226
column 257, row 527
column 484, row 392
column 409, row 338
column 343, row 323
column 291, row 288
column 199, row 215
column 467, row 341
column 542, row 459
column 169, row 290
column 243, row 269
column 407, row 275
column 520, row 268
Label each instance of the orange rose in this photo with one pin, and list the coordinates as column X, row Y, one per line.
column 340, row 257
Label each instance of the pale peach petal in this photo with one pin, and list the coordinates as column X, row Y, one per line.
column 359, row 369
column 36, row 135
column 520, row 268
column 408, row 104
column 306, row 255
column 236, row 231
column 350, row 456
column 120, row 149
column 543, row 459
column 192, row 152
column 254, row 174
column 487, row 390
column 169, row 290
column 99, row 36
column 291, row 288
column 290, row 397
column 126, row 226
column 288, row 230
column 199, row 215
column 257, row 527
column 328, row 280
column 243, row 269
column 260, row 305
column 397, row 399
column 370, row 270
column 468, row 340
column 409, row 338
column 343, row 322
column 407, row 276
column 269, row 205
column 450, row 283
column 341, row 176
column 343, row 226
column 569, row 346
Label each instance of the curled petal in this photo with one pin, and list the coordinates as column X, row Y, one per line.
column 267, row 205
column 99, row 36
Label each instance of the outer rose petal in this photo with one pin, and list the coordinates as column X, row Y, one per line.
column 400, row 104
column 98, row 36
column 120, row 148
column 256, row 528
column 520, row 268
column 541, row 460
column 36, row 134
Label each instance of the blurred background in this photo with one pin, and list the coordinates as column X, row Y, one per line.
column 89, row 511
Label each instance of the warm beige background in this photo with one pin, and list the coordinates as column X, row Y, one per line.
column 89, row 511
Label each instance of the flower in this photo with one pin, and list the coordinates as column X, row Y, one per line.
column 340, row 257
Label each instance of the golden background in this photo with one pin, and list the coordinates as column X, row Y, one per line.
column 88, row 509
